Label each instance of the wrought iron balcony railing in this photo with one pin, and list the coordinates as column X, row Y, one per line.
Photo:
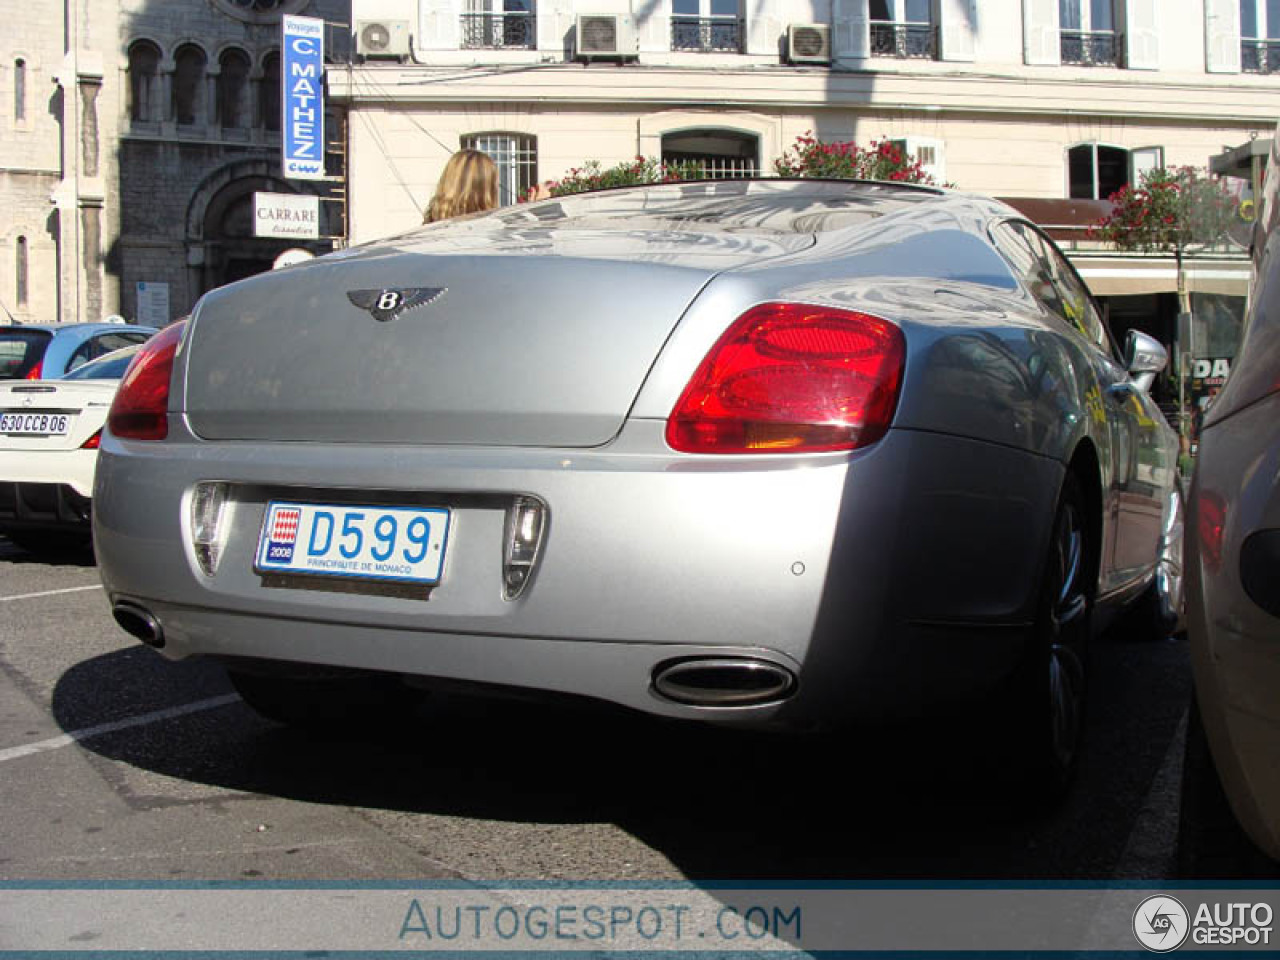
column 1260, row 56
column 505, row 31
column 1096, row 49
column 904, row 40
column 707, row 34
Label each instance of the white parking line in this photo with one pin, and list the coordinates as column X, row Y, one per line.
column 75, row 736
column 51, row 593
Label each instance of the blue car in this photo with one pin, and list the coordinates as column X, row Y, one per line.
column 49, row 351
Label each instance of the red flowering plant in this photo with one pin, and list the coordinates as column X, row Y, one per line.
column 641, row 170
column 1173, row 210
column 845, row 160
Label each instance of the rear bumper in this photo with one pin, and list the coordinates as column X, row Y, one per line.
column 888, row 582
column 43, row 506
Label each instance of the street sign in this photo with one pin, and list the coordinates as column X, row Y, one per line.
column 153, row 303
column 302, row 86
column 286, row 215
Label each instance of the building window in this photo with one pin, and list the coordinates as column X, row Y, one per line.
column 516, row 155
column 499, row 24
column 720, row 153
column 233, row 86
column 20, row 271
column 1087, row 33
column 189, row 85
column 902, row 28
column 1095, row 171
column 19, row 90
column 706, row 26
column 269, row 93
column 1260, row 36
column 144, row 71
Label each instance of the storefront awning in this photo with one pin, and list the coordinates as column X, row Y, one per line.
column 1125, row 276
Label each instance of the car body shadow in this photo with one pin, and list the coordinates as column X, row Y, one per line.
column 902, row 802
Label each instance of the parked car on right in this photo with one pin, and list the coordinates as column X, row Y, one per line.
column 1233, row 578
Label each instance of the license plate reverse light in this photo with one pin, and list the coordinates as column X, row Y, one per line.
column 526, row 521
column 208, row 533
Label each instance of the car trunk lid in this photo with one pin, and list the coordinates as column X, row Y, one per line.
column 467, row 335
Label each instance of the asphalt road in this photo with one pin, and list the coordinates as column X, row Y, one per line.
column 117, row 764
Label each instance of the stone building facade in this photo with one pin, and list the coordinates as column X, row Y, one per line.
column 133, row 134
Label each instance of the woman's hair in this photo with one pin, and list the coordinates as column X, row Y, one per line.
column 468, row 184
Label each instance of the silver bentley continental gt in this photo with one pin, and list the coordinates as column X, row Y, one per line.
column 783, row 454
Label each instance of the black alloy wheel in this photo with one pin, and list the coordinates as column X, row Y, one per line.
column 1045, row 722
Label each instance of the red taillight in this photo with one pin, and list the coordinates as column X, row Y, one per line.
column 36, row 372
column 93, row 442
column 140, row 410
column 1211, row 527
column 788, row 378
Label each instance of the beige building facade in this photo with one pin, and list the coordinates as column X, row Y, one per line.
column 133, row 134
column 1021, row 98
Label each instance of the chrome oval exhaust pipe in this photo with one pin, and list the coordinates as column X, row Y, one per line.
column 139, row 622
column 723, row 682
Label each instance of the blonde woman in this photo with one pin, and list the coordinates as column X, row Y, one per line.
column 468, row 184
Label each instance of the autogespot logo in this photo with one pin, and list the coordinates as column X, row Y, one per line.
column 1161, row 923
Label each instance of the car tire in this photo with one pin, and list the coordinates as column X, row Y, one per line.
column 1043, row 712
column 322, row 703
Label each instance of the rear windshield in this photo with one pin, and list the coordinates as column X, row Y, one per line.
column 756, row 206
column 110, row 367
column 20, row 351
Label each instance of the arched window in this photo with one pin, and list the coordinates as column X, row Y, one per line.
column 233, row 85
column 721, row 153
column 516, row 155
column 269, row 98
column 144, row 69
column 188, row 85
column 19, row 90
column 1094, row 171
column 20, row 271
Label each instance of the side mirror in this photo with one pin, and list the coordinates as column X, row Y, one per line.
column 1144, row 357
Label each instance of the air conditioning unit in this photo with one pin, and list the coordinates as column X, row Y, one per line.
column 808, row 43
column 604, row 35
column 382, row 39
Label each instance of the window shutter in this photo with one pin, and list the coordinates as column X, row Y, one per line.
column 439, row 25
column 555, row 20
column 1143, row 159
column 929, row 153
column 956, row 20
column 1141, row 34
column 850, row 30
column 762, row 29
column 654, row 27
column 1222, row 36
column 1040, row 45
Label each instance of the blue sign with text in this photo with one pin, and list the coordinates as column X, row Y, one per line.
column 302, row 85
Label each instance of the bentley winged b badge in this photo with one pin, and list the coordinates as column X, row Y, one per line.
column 387, row 304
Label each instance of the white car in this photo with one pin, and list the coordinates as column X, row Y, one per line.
column 49, row 433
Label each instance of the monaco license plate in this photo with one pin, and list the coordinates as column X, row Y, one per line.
column 406, row 544
column 35, row 424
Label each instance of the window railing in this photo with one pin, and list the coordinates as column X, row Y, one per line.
column 1260, row 56
column 1091, row 49
column 707, row 34
column 904, row 40
column 506, row 31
